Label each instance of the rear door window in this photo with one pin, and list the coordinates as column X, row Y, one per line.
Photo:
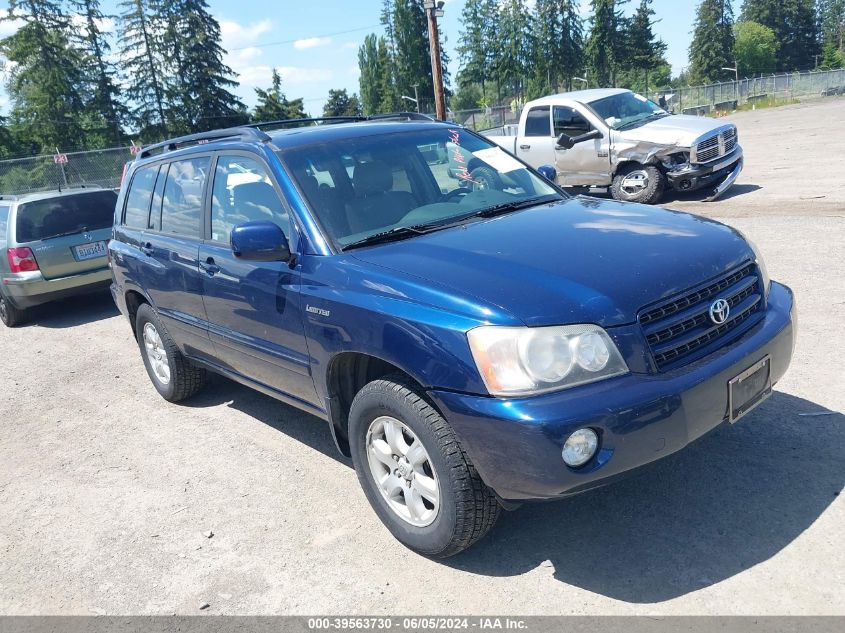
column 138, row 199
column 4, row 222
column 65, row 215
column 181, row 209
column 538, row 122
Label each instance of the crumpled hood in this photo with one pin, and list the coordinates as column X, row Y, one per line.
column 582, row 260
column 679, row 130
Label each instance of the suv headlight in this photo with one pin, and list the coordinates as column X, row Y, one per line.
column 520, row 361
column 761, row 264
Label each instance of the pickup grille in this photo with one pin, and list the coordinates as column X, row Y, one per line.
column 715, row 146
column 678, row 328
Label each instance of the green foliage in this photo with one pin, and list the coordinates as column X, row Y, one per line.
column 515, row 45
column 340, row 103
column 795, row 27
column 711, row 49
column 559, row 42
column 755, row 48
column 606, row 42
column 273, row 105
column 832, row 57
column 831, row 15
column 45, row 83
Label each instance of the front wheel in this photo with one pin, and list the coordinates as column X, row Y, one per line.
column 414, row 472
column 639, row 183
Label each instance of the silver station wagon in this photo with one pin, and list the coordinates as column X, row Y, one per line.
column 53, row 245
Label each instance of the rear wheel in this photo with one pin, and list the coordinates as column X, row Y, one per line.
column 9, row 314
column 486, row 178
column 173, row 375
column 639, row 183
column 414, row 472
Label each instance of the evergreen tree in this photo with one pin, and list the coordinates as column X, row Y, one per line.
column 388, row 97
column 606, row 46
column 712, row 43
column 198, row 93
column 755, row 48
column 104, row 104
column 794, row 25
column 832, row 25
column 340, row 103
column 473, row 46
column 368, row 79
column 515, row 44
column 645, row 51
column 411, row 57
column 143, row 68
column 45, row 82
column 273, row 105
column 559, row 37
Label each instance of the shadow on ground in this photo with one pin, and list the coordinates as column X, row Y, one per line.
column 698, row 196
column 296, row 424
column 72, row 312
column 724, row 504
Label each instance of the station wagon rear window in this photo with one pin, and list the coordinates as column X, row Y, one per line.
column 65, row 215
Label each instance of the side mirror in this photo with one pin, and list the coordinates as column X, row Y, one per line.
column 548, row 172
column 565, row 141
column 260, row 241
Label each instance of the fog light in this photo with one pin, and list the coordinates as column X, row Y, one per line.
column 580, row 447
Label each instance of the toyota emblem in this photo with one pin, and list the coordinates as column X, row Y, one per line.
column 719, row 311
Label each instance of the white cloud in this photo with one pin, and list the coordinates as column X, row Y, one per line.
column 10, row 28
column 311, row 42
column 104, row 24
column 347, row 46
column 294, row 75
column 236, row 35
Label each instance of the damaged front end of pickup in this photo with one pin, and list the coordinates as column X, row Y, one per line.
column 711, row 162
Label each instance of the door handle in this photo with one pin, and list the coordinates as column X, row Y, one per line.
column 524, row 147
column 147, row 248
column 210, row 267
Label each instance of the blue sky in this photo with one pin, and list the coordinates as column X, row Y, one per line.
column 314, row 44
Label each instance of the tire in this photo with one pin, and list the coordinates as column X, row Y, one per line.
column 461, row 510
column 649, row 190
column 486, row 178
column 9, row 314
column 173, row 375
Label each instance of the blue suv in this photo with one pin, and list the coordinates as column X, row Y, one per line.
column 473, row 345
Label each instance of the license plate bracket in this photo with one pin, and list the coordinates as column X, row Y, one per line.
column 749, row 389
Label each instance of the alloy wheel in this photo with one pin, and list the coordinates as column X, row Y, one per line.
column 156, row 354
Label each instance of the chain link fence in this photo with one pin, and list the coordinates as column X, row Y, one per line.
column 698, row 100
column 42, row 173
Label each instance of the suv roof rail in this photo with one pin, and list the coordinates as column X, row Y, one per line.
column 318, row 119
column 408, row 116
column 245, row 132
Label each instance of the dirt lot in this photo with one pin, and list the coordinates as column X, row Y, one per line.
column 106, row 490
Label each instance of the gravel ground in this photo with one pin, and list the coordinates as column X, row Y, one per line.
column 108, row 493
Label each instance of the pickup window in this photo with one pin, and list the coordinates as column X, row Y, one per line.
column 537, row 122
column 569, row 122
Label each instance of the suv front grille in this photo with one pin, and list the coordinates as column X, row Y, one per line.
column 716, row 146
column 682, row 326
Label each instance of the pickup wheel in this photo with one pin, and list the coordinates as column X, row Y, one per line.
column 173, row 375
column 414, row 472
column 9, row 314
column 639, row 183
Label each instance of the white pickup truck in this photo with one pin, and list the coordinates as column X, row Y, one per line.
column 618, row 139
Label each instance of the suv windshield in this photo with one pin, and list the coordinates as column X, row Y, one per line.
column 65, row 215
column 402, row 184
column 626, row 110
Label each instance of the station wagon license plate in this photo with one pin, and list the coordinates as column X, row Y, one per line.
column 89, row 251
column 749, row 389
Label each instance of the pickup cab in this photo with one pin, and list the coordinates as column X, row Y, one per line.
column 616, row 139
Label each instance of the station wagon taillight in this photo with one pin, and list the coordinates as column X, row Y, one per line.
column 21, row 260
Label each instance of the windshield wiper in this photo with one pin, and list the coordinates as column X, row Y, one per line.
column 507, row 207
column 83, row 229
column 391, row 235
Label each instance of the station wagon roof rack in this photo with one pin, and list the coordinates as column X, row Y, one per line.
column 246, row 133
column 390, row 116
column 401, row 116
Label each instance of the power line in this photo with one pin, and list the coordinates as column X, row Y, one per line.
column 280, row 42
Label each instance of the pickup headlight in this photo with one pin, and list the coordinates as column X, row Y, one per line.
column 521, row 361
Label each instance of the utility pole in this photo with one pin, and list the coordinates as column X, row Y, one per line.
column 433, row 10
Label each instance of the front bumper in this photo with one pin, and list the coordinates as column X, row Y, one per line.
column 719, row 176
column 27, row 290
column 516, row 444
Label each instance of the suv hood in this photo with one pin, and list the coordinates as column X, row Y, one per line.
column 680, row 130
column 581, row 260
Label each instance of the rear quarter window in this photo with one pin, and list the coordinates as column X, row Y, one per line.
column 4, row 223
column 65, row 215
column 138, row 199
